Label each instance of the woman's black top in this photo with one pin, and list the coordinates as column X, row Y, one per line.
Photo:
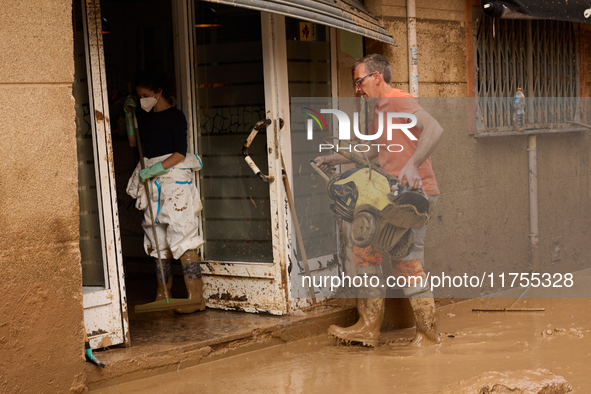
column 162, row 132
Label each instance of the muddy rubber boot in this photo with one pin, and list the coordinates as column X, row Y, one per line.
column 193, row 282
column 423, row 307
column 167, row 268
column 335, row 330
column 367, row 329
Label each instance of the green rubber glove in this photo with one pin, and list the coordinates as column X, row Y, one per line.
column 129, row 125
column 127, row 105
column 152, row 171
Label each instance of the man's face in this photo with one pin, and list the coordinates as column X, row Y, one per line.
column 367, row 88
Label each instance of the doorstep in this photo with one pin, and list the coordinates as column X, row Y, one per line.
column 164, row 342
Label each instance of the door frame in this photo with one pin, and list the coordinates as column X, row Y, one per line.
column 105, row 311
column 278, row 144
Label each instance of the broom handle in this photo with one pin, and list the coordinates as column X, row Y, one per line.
column 296, row 225
column 146, row 186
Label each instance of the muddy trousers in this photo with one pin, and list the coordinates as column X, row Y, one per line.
column 176, row 206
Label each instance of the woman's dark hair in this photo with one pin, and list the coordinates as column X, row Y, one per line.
column 153, row 81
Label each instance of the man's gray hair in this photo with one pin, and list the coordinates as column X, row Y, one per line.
column 375, row 62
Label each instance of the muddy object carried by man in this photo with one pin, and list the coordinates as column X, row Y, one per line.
column 383, row 213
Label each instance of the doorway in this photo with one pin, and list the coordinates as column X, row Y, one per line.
column 223, row 92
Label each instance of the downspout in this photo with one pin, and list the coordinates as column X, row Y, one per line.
column 411, row 27
column 532, row 159
column 533, row 203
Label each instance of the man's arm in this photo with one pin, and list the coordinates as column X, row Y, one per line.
column 428, row 141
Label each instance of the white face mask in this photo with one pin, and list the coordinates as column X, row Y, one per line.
column 148, row 103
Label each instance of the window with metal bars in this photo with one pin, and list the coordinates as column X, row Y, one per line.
column 539, row 56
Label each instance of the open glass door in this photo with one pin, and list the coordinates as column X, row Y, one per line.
column 234, row 85
column 105, row 310
column 243, row 76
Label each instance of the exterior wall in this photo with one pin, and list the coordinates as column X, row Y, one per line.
column 481, row 221
column 441, row 44
column 41, row 337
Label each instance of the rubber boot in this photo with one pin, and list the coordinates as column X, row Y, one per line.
column 367, row 329
column 424, row 311
column 193, row 282
column 167, row 268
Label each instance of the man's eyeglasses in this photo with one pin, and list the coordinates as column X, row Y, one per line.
column 357, row 82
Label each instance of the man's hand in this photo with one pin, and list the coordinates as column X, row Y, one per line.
column 324, row 162
column 411, row 173
column 328, row 161
column 427, row 142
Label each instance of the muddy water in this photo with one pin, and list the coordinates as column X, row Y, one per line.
column 558, row 340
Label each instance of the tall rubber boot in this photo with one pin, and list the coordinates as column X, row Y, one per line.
column 423, row 307
column 167, row 268
column 193, row 282
column 367, row 329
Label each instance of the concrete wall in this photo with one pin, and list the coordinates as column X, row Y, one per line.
column 41, row 337
column 481, row 221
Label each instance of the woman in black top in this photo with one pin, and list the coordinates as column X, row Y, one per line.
column 169, row 174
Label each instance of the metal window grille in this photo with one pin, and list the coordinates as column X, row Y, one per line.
column 542, row 61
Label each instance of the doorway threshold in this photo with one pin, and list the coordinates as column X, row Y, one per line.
column 164, row 342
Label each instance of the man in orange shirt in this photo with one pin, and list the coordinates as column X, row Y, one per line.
column 412, row 163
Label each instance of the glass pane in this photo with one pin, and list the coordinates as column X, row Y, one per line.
column 91, row 249
column 231, row 99
column 309, row 75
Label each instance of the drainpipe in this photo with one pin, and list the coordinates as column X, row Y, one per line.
column 533, row 161
column 411, row 27
column 533, row 203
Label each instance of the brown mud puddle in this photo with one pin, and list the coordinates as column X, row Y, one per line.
column 557, row 340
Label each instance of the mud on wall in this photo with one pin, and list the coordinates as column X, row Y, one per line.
column 41, row 337
column 481, row 221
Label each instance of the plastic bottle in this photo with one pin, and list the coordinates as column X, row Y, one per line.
column 519, row 110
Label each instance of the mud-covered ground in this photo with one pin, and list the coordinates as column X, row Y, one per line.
column 554, row 343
